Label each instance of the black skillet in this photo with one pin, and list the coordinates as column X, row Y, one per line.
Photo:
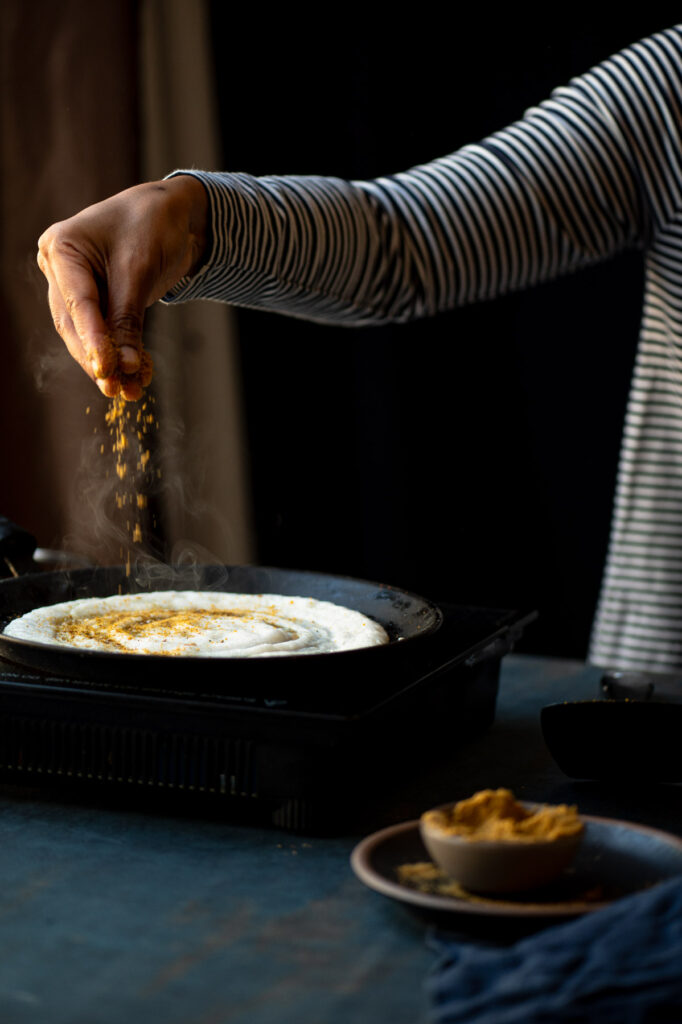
column 618, row 739
column 408, row 619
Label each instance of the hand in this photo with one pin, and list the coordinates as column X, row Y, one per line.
column 107, row 264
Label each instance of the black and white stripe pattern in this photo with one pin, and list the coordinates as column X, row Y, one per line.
column 592, row 171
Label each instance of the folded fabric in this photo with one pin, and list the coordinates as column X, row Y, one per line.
column 618, row 965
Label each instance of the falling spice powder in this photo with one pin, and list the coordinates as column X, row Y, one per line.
column 129, row 427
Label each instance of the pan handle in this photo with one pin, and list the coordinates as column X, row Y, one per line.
column 16, row 549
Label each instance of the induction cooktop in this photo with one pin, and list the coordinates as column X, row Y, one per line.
column 290, row 760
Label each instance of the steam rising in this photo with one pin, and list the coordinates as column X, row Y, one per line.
column 188, row 569
column 128, row 476
column 192, row 486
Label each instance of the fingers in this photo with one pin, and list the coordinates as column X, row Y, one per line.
column 128, row 359
column 109, row 350
column 74, row 300
column 109, row 386
column 125, row 319
column 130, row 386
column 66, row 330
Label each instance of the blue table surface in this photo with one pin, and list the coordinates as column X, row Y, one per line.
column 109, row 914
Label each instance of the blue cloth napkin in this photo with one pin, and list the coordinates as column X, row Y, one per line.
column 618, row 965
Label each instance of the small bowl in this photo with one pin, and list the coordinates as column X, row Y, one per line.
column 499, row 865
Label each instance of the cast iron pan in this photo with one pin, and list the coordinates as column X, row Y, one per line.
column 408, row 619
column 615, row 739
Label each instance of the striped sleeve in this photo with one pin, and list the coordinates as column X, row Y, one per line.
column 590, row 172
column 594, row 170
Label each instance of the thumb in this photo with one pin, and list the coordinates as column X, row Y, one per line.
column 125, row 322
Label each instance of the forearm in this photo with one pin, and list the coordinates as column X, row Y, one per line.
column 462, row 229
column 568, row 185
column 312, row 247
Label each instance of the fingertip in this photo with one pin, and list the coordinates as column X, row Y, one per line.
column 109, row 386
column 128, row 359
column 131, row 391
column 104, row 361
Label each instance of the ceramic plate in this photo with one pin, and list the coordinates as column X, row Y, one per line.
column 616, row 859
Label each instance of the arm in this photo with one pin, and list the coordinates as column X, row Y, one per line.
column 592, row 171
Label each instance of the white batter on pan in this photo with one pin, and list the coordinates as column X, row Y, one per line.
column 196, row 623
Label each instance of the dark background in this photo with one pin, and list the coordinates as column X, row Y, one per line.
column 471, row 457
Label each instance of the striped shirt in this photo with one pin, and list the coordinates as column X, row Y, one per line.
column 594, row 170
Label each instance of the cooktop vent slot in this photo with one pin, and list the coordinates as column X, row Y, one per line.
column 127, row 755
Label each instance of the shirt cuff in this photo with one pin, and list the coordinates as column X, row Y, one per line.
column 193, row 286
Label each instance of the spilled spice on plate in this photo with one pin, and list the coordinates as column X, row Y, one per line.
column 425, row 877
